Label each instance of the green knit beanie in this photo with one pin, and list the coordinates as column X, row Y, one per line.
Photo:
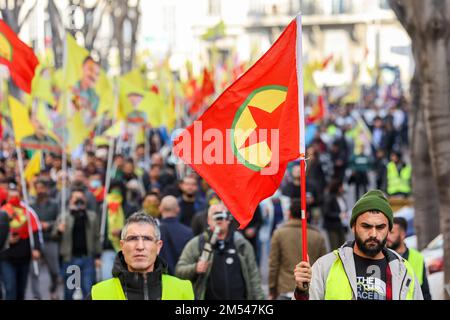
column 373, row 200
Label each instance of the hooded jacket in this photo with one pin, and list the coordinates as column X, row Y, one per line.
column 401, row 278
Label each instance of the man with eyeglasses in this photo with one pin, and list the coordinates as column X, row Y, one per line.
column 228, row 271
column 138, row 272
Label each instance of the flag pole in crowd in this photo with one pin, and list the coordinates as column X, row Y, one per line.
column 27, row 212
column 301, row 116
column 147, row 146
column 64, row 175
column 25, row 197
column 109, row 163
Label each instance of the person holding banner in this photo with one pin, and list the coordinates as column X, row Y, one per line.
column 363, row 269
column 15, row 261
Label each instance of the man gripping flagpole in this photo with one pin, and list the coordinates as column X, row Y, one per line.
column 301, row 118
column 241, row 145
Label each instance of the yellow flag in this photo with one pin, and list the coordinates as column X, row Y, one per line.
column 171, row 116
column 73, row 71
column 309, row 84
column 41, row 87
column 100, row 141
column 4, row 98
column 57, row 78
column 115, row 130
column 135, row 77
column 78, row 132
column 43, row 116
column 139, row 137
column 153, row 106
column 75, row 56
column 21, row 123
column 126, row 89
column 105, row 91
column 354, row 96
column 34, row 166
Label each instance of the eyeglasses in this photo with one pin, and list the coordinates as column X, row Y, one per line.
column 220, row 216
column 145, row 239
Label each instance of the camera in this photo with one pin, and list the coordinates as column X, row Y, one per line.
column 80, row 204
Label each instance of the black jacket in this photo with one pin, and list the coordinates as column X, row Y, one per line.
column 4, row 229
column 174, row 235
column 134, row 286
column 331, row 212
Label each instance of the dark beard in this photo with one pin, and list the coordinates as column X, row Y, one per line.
column 371, row 252
column 189, row 196
column 395, row 245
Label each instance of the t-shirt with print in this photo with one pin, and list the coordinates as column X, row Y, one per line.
column 370, row 278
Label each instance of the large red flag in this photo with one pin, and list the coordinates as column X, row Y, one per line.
column 18, row 57
column 242, row 144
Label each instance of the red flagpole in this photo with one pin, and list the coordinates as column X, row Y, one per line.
column 301, row 116
column 303, row 204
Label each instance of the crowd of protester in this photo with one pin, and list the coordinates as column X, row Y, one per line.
column 77, row 216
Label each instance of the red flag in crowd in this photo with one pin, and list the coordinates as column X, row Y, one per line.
column 318, row 111
column 246, row 164
column 205, row 91
column 18, row 57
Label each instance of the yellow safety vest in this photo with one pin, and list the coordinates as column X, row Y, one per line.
column 172, row 289
column 416, row 260
column 398, row 182
column 338, row 286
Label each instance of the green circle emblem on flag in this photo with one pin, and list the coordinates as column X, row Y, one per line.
column 251, row 145
column 5, row 48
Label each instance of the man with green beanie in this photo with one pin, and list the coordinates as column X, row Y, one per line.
column 363, row 269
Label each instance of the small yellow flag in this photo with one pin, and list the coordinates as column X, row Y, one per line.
column 139, row 137
column 21, row 123
column 78, row 132
column 115, row 130
column 151, row 104
column 75, row 56
column 135, row 77
column 34, row 166
column 41, row 87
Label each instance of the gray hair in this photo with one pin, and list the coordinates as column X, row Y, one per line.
column 141, row 218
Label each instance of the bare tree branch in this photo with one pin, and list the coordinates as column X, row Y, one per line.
column 27, row 15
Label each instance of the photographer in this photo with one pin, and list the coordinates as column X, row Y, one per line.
column 230, row 271
column 80, row 243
